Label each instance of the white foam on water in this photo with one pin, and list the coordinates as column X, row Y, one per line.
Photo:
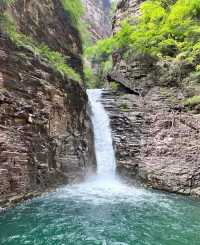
column 105, row 186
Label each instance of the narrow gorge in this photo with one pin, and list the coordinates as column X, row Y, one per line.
column 99, row 122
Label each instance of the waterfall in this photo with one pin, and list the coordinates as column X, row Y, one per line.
column 102, row 210
column 103, row 138
column 105, row 185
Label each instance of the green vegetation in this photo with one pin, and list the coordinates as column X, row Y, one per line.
column 6, row 3
column 166, row 29
column 193, row 101
column 113, row 7
column 100, row 57
column 124, row 107
column 3, row 5
column 95, row 74
column 55, row 59
column 114, row 85
column 74, row 9
column 195, row 77
column 90, row 78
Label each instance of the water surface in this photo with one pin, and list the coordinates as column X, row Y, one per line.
column 103, row 210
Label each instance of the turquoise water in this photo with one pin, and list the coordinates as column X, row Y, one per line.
column 103, row 210
column 74, row 217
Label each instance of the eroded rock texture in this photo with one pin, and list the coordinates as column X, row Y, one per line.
column 97, row 17
column 45, row 134
column 156, row 138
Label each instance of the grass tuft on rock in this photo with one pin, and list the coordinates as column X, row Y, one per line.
column 56, row 59
column 75, row 9
column 193, row 101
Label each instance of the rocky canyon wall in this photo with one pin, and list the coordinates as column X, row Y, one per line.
column 45, row 133
column 97, row 17
column 156, row 138
column 125, row 9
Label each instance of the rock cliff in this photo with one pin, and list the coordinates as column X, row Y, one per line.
column 156, row 138
column 45, row 133
column 97, row 17
column 125, row 9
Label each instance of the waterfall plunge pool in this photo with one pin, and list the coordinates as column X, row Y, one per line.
column 103, row 210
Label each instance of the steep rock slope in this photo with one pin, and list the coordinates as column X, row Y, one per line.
column 45, row 133
column 97, row 17
column 125, row 9
column 155, row 136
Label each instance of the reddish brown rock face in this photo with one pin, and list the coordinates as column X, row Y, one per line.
column 45, row 134
column 156, row 138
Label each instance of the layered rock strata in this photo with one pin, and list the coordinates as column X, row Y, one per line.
column 156, row 137
column 45, row 133
column 97, row 17
column 154, row 143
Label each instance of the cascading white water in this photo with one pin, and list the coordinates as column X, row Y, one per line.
column 103, row 138
column 105, row 185
column 102, row 210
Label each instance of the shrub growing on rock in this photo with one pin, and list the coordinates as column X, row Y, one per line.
column 166, row 28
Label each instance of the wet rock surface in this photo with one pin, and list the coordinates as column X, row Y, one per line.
column 155, row 144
